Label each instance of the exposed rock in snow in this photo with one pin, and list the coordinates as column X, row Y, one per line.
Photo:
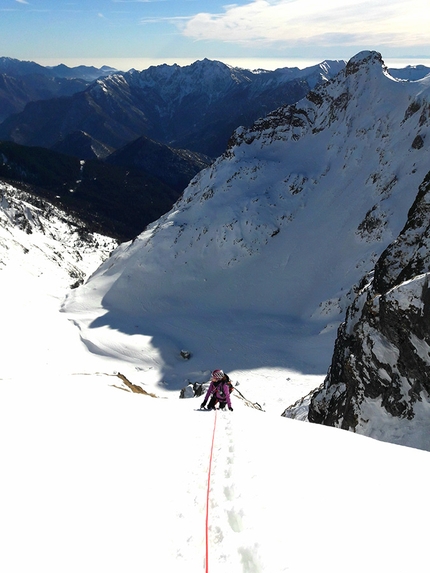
column 379, row 380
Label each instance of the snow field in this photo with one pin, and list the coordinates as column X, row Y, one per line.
column 97, row 479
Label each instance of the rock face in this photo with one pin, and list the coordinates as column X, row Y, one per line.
column 379, row 380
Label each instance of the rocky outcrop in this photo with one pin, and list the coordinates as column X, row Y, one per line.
column 379, row 380
column 134, row 388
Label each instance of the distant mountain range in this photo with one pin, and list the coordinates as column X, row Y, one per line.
column 194, row 107
column 155, row 129
column 23, row 82
column 90, row 112
column 14, row 67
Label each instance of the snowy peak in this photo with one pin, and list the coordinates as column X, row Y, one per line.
column 319, row 74
column 365, row 59
column 410, row 73
column 363, row 79
column 173, row 83
column 214, row 77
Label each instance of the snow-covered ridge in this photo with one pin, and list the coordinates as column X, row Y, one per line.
column 282, row 226
column 360, row 85
column 34, row 233
column 176, row 82
column 167, row 84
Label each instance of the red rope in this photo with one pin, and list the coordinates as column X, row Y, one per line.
column 207, row 496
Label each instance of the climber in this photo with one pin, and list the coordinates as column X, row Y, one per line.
column 218, row 391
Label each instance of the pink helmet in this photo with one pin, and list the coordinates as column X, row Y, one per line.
column 217, row 374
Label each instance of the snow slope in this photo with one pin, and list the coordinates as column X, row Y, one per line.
column 42, row 253
column 254, row 266
column 98, row 479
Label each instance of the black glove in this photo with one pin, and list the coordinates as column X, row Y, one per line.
column 203, row 405
column 230, row 408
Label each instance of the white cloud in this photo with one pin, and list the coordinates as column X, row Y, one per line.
column 22, row 1
column 164, row 20
column 304, row 22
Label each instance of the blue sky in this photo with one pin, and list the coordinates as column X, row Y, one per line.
column 154, row 31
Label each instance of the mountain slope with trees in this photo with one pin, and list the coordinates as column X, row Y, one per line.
column 112, row 199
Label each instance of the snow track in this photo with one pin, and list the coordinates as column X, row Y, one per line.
column 230, row 544
column 240, row 516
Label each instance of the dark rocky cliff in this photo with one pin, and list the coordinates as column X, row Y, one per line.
column 379, row 380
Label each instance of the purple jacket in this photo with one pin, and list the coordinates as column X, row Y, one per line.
column 221, row 391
